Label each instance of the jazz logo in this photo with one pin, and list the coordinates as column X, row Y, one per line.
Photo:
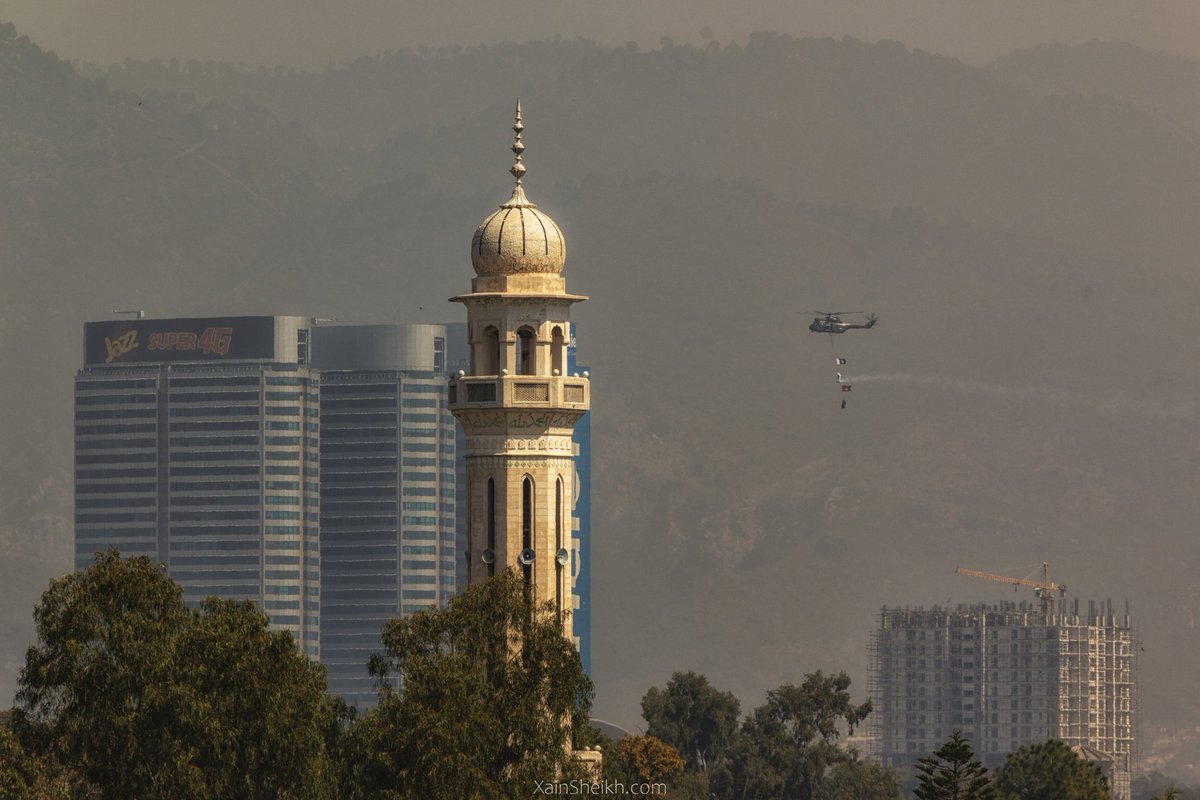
column 120, row 346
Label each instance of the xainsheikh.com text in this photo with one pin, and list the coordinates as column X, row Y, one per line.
column 598, row 788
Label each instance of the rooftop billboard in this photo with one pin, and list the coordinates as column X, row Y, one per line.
column 146, row 341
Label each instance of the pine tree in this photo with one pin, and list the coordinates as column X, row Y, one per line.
column 952, row 773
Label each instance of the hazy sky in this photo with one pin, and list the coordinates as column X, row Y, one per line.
column 314, row 32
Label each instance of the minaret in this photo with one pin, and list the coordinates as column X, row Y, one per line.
column 517, row 407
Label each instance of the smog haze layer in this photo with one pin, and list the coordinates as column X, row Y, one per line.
column 1015, row 200
column 313, row 33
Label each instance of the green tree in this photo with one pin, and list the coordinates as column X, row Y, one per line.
column 695, row 718
column 480, row 699
column 690, row 786
column 953, row 773
column 263, row 704
column 787, row 745
column 859, row 780
column 19, row 772
column 642, row 759
column 24, row 776
column 1050, row 771
column 141, row 697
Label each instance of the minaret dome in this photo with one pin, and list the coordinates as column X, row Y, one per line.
column 518, row 238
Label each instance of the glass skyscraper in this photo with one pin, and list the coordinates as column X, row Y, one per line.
column 197, row 444
column 387, row 489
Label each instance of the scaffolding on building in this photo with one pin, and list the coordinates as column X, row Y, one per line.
column 1006, row 675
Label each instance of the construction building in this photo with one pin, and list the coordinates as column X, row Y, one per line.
column 1007, row 675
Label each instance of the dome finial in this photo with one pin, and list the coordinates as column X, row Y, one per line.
column 518, row 169
column 518, row 238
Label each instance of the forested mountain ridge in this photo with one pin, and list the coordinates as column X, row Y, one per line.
column 1028, row 394
column 361, row 103
column 1161, row 83
column 874, row 125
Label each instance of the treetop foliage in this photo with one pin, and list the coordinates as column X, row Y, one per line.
column 1049, row 771
column 859, row 780
column 643, row 759
column 785, row 748
column 480, row 699
column 130, row 693
column 139, row 696
column 953, row 773
column 698, row 720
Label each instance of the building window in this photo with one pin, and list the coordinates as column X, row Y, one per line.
column 525, row 358
column 491, row 524
column 490, row 361
column 527, row 523
column 558, row 349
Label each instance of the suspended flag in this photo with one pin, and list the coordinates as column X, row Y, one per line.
column 840, row 378
column 846, row 387
column 840, row 361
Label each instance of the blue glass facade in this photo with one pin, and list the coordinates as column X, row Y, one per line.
column 581, row 517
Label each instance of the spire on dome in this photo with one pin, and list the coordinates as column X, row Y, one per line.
column 518, row 238
column 518, row 169
column 518, row 198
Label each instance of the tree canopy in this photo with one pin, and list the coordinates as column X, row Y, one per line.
column 787, row 745
column 953, row 773
column 128, row 692
column 21, row 776
column 1049, row 771
column 859, row 780
column 695, row 718
column 480, row 699
column 140, row 696
column 644, row 760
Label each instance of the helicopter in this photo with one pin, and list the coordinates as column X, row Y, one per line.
column 831, row 322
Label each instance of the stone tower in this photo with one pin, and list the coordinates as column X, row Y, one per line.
column 516, row 406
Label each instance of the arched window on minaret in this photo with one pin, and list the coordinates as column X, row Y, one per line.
column 558, row 544
column 491, row 352
column 527, row 523
column 525, row 352
column 491, row 525
column 558, row 350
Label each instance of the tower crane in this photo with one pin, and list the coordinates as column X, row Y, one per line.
column 1043, row 589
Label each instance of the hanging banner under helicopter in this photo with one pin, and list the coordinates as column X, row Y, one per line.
column 831, row 322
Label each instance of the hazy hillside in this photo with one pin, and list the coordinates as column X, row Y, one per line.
column 366, row 101
column 1029, row 393
column 847, row 122
column 1164, row 84
column 108, row 201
